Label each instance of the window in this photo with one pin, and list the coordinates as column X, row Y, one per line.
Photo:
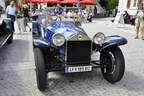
column 133, row 3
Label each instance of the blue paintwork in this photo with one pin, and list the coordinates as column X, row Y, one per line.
column 113, row 40
column 41, row 43
column 35, row 26
column 69, row 29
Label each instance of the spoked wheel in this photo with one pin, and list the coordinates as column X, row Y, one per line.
column 112, row 64
column 41, row 75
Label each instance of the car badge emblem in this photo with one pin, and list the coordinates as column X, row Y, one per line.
column 79, row 37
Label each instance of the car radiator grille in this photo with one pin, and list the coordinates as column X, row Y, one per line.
column 78, row 52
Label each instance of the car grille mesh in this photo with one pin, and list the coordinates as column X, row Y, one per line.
column 78, row 52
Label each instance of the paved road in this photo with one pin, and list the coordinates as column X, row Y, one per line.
column 17, row 75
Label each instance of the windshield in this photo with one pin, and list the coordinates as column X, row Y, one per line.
column 58, row 14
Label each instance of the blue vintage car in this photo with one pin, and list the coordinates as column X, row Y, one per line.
column 64, row 46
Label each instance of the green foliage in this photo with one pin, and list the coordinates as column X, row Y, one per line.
column 111, row 4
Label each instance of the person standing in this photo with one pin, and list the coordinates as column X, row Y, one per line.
column 90, row 15
column 139, row 21
column 11, row 13
column 26, row 17
column 59, row 12
column 84, row 15
column 95, row 10
column 20, row 19
column 69, row 14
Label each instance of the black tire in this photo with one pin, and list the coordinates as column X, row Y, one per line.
column 41, row 75
column 10, row 40
column 112, row 64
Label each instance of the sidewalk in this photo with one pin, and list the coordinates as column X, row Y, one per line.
column 107, row 21
column 126, row 27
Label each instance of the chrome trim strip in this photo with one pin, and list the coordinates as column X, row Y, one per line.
column 75, row 38
column 5, row 41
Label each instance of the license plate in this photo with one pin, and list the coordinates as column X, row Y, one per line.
column 78, row 69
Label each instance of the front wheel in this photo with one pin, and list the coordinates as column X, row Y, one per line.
column 41, row 75
column 112, row 64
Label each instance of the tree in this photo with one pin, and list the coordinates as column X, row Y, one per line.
column 111, row 4
column 103, row 3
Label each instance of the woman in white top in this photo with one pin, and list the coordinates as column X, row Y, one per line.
column 69, row 14
column 139, row 21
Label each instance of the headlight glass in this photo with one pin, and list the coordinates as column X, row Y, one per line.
column 58, row 39
column 99, row 38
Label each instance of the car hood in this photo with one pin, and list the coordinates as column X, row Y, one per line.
column 68, row 29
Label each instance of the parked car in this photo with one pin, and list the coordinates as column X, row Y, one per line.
column 6, row 32
column 65, row 46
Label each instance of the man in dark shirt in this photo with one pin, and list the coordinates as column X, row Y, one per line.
column 126, row 17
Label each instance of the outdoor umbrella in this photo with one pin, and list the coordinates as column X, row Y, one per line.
column 36, row 1
column 69, row 2
column 39, row 1
column 27, row 0
column 87, row 2
column 52, row 1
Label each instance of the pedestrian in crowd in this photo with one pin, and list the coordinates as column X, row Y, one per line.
column 65, row 13
column 26, row 17
column 139, row 21
column 20, row 19
column 126, row 17
column 114, row 12
column 69, row 14
column 84, row 15
column 95, row 10
column 59, row 12
column 89, row 17
column 11, row 13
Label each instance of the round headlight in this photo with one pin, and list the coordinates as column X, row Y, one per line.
column 58, row 39
column 99, row 38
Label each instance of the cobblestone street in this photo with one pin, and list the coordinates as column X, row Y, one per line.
column 17, row 74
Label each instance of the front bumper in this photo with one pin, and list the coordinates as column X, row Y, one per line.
column 62, row 67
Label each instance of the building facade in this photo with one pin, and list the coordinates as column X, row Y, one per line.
column 2, row 3
column 129, row 5
column 100, row 9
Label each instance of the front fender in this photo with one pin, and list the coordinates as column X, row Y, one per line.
column 41, row 43
column 113, row 41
